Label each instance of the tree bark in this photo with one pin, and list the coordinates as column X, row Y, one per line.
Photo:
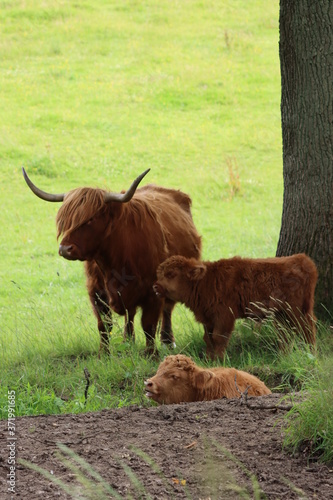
column 306, row 59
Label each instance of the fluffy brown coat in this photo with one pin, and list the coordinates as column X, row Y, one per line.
column 123, row 244
column 179, row 379
column 220, row 292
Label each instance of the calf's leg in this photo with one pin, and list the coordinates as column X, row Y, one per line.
column 305, row 322
column 220, row 336
column 310, row 329
column 305, row 325
column 208, row 341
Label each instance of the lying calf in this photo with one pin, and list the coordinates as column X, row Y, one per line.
column 220, row 292
column 179, row 379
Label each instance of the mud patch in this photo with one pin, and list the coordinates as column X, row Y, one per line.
column 196, row 450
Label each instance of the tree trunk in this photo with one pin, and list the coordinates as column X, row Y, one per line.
column 306, row 59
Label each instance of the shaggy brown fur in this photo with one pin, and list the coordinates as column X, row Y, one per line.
column 79, row 206
column 220, row 292
column 123, row 244
column 179, row 379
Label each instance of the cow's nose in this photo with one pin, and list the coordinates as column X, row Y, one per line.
column 148, row 383
column 65, row 250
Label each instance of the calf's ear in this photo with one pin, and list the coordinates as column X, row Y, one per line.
column 196, row 272
column 202, row 378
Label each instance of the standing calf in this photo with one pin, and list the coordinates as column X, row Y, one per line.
column 220, row 292
column 180, row 380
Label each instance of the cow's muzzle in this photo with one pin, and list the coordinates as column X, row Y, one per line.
column 149, row 388
column 159, row 290
column 67, row 251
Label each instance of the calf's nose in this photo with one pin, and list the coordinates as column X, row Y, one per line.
column 148, row 383
column 158, row 289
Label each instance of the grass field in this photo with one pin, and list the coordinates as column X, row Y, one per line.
column 93, row 93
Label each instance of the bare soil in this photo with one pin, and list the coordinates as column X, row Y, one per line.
column 189, row 444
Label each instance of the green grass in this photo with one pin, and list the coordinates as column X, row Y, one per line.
column 309, row 426
column 93, row 93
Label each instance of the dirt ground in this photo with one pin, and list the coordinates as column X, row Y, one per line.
column 189, row 446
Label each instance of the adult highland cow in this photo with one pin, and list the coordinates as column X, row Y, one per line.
column 220, row 292
column 123, row 237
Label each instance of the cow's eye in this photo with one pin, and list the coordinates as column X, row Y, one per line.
column 169, row 275
column 175, row 377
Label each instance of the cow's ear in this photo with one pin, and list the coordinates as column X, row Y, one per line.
column 202, row 378
column 197, row 272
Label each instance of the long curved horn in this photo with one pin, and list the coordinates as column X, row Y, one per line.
column 125, row 197
column 42, row 194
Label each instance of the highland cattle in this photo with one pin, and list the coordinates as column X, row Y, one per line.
column 123, row 237
column 180, row 380
column 220, row 292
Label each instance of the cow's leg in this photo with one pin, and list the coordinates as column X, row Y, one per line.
column 104, row 318
column 151, row 311
column 166, row 331
column 99, row 300
column 104, row 333
column 129, row 325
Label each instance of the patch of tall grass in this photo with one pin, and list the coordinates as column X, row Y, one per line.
column 308, row 427
column 48, row 373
